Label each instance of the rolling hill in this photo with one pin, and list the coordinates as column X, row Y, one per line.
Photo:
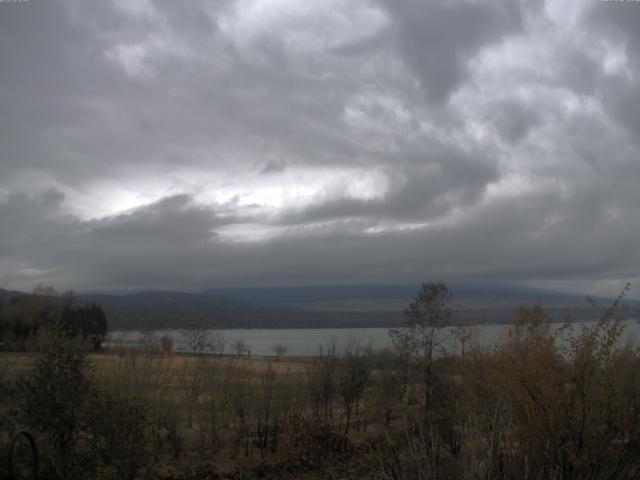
column 324, row 306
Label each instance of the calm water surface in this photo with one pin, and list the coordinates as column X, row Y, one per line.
column 308, row 341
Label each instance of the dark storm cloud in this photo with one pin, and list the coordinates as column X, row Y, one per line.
column 155, row 235
column 192, row 144
column 543, row 236
column 26, row 220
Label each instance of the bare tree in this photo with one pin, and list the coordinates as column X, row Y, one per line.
column 149, row 342
column 240, row 346
column 279, row 349
column 217, row 401
column 465, row 333
column 217, row 343
column 389, row 392
column 321, row 381
column 191, row 378
column 166, row 344
column 195, row 337
column 352, row 380
column 421, row 336
column 240, row 396
column 265, row 412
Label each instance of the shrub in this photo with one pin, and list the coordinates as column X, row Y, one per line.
column 312, row 440
column 51, row 398
column 119, row 431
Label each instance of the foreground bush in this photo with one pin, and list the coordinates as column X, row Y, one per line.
column 545, row 402
column 119, row 434
column 84, row 432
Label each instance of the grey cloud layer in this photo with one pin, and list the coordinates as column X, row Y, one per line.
column 437, row 38
column 174, row 241
column 192, row 144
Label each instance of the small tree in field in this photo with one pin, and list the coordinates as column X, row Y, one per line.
column 191, row 381
column 464, row 333
column 195, row 337
column 218, row 343
column 279, row 349
column 240, row 347
column 421, row 335
column 166, row 344
column 353, row 377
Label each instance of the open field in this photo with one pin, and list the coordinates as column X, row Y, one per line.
column 221, row 410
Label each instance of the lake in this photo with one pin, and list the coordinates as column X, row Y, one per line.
column 307, row 341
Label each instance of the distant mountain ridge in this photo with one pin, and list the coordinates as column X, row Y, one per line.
column 286, row 295
column 5, row 295
column 164, row 298
column 325, row 306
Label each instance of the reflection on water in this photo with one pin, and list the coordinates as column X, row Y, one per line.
column 301, row 341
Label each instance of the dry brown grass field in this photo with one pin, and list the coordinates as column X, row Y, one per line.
column 218, row 412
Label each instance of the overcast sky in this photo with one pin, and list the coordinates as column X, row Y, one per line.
column 195, row 144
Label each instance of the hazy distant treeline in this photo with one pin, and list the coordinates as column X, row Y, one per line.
column 24, row 318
